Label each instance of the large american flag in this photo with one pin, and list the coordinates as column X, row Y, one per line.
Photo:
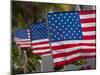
column 72, row 36
column 22, row 38
column 39, row 38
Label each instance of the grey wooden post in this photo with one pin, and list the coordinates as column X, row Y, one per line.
column 47, row 64
column 24, row 55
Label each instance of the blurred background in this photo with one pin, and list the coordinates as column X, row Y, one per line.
column 25, row 13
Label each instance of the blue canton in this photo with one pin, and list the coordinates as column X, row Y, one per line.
column 64, row 26
column 21, row 34
column 38, row 31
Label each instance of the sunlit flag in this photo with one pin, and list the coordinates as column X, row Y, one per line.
column 72, row 36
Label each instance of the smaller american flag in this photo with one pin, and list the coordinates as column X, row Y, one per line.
column 39, row 38
column 22, row 38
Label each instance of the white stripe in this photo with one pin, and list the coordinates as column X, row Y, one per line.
column 17, row 39
column 41, row 51
column 60, row 59
column 23, row 42
column 89, row 24
column 41, row 40
column 72, row 42
column 42, row 45
column 72, row 49
column 89, row 33
column 47, row 54
column 88, row 54
column 86, row 16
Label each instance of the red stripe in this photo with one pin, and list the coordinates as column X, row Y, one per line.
column 88, row 20
column 65, row 46
column 39, row 43
column 89, row 37
column 87, row 12
column 62, row 63
column 74, row 52
column 23, row 44
column 39, row 48
column 84, row 29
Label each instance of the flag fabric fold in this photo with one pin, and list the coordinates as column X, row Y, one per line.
column 72, row 36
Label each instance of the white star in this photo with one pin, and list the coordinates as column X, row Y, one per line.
column 77, row 19
column 60, row 29
column 74, row 31
column 58, row 17
column 72, row 19
column 63, row 26
column 69, row 16
column 57, row 32
column 49, row 21
column 65, row 23
column 71, row 13
column 58, row 38
column 48, row 15
column 61, row 14
column 56, row 27
column 66, row 34
column 51, row 33
column 72, row 34
column 53, row 24
column 71, row 28
column 62, row 20
column 64, row 37
column 70, row 37
column 70, row 22
column 63, row 31
column 59, row 23
column 77, row 34
column 52, row 18
column 54, row 14
column 50, row 27
column 55, row 21
column 74, row 16
column 76, row 13
column 75, row 22
column 64, row 17
column 79, row 31
column 69, row 31
column 54, row 30
column 55, row 36
column 67, row 19
column 66, row 13
column 68, row 25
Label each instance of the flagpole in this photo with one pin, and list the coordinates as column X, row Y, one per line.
column 24, row 61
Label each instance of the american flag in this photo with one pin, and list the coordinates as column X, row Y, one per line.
column 22, row 38
column 39, row 37
column 72, row 36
